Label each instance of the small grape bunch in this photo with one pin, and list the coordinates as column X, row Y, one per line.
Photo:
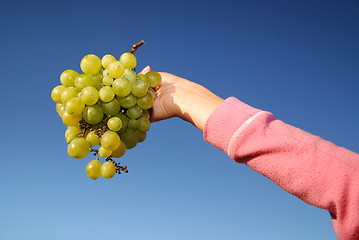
column 106, row 106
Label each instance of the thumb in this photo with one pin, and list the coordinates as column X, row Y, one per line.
column 146, row 70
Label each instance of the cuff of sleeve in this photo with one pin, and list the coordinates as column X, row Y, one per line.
column 225, row 120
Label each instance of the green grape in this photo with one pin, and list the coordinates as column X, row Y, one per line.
column 97, row 81
column 92, row 138
column 110, row 140
column 124, row 120
column 108, row 170
column 92, row 114
column 106, row 79
column 106, row 94
column 121, row 87
column 143, row 78
column 146, row 114
column 71, row 133
column 78, row 148
column 60, row 108
column 154, row 78
column 70, row 119
column 91, row 64
column 143, row 124
column 129, row 60
column 133, row 123
column 141, row 136
column 130, row 75
column 152, row 92
column 93, row 169
column 57, row 92
column 129, row 137
column 74, row 106
column 70, row 137
column 127, row 102
column 83, row 80
column 110, row 108
column 67, row 78
column 89, row 95
column 120, row 151
column 104, row 152
column 69, row 93
column 139, row 88
column 134, row 112
column 115, row 69
column 146, row 101
column 107, row 59
column 114, row 124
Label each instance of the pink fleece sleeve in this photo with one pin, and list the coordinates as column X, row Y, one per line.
column 317, row 171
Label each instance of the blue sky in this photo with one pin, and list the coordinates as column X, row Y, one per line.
column 297, row 59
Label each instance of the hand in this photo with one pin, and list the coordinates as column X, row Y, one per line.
column 178, row 97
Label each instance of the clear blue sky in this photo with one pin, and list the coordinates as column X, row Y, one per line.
column 297, row 59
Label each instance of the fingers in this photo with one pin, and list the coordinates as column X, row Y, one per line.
column 146, row 70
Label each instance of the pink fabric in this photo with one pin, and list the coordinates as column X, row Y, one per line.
column 315, row 170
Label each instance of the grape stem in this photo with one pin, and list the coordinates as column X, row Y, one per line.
column 136, row 46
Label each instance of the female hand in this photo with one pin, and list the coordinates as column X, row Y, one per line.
column 178, row 97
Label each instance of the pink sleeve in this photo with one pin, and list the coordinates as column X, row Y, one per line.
column 317, row 171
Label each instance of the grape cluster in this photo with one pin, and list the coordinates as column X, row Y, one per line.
column 106, row 105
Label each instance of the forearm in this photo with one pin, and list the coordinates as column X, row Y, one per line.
column 317, row 171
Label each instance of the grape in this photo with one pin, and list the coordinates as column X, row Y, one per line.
column 146, row 101
column 78, row 148
column 114, row 124
column 124, row 120
column 146, row 114
column 92, row 114
column 74, row 106
column 130, row 138
column 143, row 78
column 104, row 152
column 115, row 69
column 121, row 87
column 108, row 170
column 152, row 92
column 97, row 81
column 67, row 78
column 106, row 79
column 71, row 133
column 60, row 108
column 82, row 81
column 133, row 123
column 139, row 88
column 130, row 75
column 89, row 95
column 141, row 136
column 71, row 120
column 106, row 94
column 143, row 124
column 56, row 93
column 69, row 93
column 129, row 60
column 134, row 112
column 107, row 59
column 93, row 169
column 154, row 78
column 127, row 102
column 120, row 151
column 110, row 108
column 90, row 64
column 92, row 138
column 110, row 140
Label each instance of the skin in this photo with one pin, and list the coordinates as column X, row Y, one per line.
column 179, row 97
